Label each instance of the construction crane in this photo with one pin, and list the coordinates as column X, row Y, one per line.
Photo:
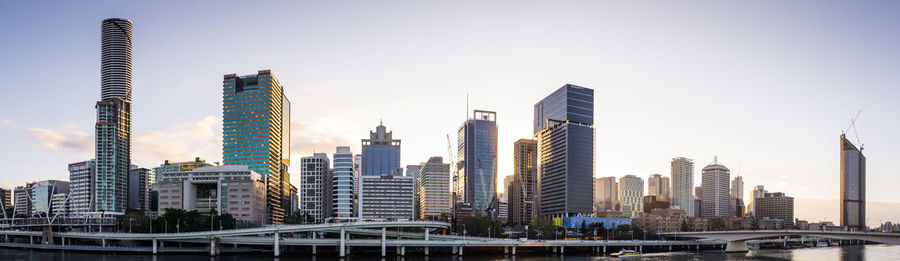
column 853, row 126
column 452, row 162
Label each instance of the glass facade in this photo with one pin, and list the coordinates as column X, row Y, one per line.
column 477, row 166
column 254, row 133
column 342, row 185
column 380, row 153
column 563, row 126
column 113, row 152
column 853, row 186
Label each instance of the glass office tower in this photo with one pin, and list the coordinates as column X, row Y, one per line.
column 476, row 171
column 342, row 185
column 380, row 153
column 853, row 186
column 255, row 112
column 564, row 128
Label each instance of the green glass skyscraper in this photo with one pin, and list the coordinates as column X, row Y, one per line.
column 256, row 130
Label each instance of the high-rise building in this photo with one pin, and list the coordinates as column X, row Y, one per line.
column 314, row 170
column 380, row 153
column 415, row 171
column 606, row 194
column 387, row 197
column 433, row 186
column 59, row 204
column 357, row 171
column 171, row 166
column 342, row 183
column 523, row 188
column 256, row 132
column 235, row 190
column 113, row 128
column 564, row 128
column 853, row 185
column 776, row 205
column 476, row 171
column 658, row 185
column 715, row 189
column 506, row 180
column 758, row 192
column 683, row 185
column 737, row 187
column 139, row 189
column 631, row 194
column 81, row 180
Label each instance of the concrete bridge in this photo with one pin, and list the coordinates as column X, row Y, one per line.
column 272, row 236
column 737, row 240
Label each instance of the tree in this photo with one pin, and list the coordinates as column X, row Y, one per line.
column 584, row 229
column 716, row 224
column 542, row 228
column 754, row 223
column 686, row 226
column 481, row 226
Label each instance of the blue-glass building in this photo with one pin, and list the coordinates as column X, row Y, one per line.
column 476, row 171
column 564, row 128
column 342, row 183
column 380, row 153
column 256, row 133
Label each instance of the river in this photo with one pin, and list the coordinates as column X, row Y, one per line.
column 848, row 253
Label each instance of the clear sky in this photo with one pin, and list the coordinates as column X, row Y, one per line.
column 768, row 86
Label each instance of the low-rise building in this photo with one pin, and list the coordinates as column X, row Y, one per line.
column 387, row 197
column 655, row 202
column 776, row 206
column 81, row 186
column 660, row 220
column 232, row 189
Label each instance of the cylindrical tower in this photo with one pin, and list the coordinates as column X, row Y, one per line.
column 115, row 68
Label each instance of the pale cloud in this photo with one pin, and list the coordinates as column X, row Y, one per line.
column 8, row 124
column 322, row 134
column 180, row 142
column 63, row 140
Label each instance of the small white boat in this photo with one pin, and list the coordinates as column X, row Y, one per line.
column 625, row 253
column 822, row 244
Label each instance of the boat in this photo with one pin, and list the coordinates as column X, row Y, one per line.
column 752, row 247
column 835, row 243
column 625, row 252
column 822, row 244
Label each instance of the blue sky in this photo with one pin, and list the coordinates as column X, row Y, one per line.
column 768, row 86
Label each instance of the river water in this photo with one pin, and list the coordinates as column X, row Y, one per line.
column 868, row 252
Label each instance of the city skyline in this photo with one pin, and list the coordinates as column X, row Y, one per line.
column 58, row 139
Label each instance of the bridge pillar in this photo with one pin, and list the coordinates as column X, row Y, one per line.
column 505, row 250
column 154, row 246
column 554, row 249
column 737, row 246
column 276, row 249
column 641, row 248
column 31, row 240
column 402, row 250
column 460, row 250
column 604, row 249
column 212, row 246
column 670, row 248
column 342, row 253
column 514, row 250
column 62, row 240
column 453, row 250
column 314, row 246
column 383, row 242
column 426, row 239
column 562, row 250
column 103, row 240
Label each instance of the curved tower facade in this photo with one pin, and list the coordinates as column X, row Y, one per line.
column 113, row 128
column 115, row 59
column 715, row 187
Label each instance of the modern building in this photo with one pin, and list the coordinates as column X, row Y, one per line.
column 314, row 171
column 59, row 204
column 715, row 198
column 22, row 195
column 256, row 133
column 503, row 211
column 853, row 185
column 658, row 185
column 387, row 197
column 42, row 195
column 415, row 171
column 683, row 185
column 655, row 202
column 776, row 205
column 232, row 189
column 606, row 194
column 506, row 180
column 171, row 166
column 737, row 187
column 564, row 128
column 433, row 190
column 631, row 195
column 139, row 189
column 380, row 153
column 6, row 199
column 295, row 199
column 758, row 192
column 737, row 205
column 113, row 128
column 476, row 169
column 522, row 190
column 342, row 183
column 81, row 186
